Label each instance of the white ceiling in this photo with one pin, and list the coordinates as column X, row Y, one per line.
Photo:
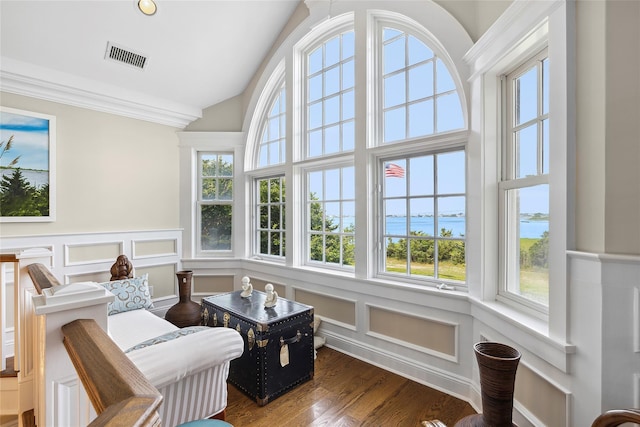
column 199, row 52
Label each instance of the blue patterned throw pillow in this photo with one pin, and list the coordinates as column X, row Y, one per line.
column 131, row 294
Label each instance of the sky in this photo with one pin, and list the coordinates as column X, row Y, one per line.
column 30, row 140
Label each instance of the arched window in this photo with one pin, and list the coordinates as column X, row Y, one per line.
column 371, row 94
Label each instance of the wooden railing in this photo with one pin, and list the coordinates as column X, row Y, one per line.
column 119, row 392
column 617, row 417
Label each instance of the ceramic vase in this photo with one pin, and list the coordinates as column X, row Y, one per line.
column 185, row 312
column 497, row 364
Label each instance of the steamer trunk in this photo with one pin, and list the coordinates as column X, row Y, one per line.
column 278, row 342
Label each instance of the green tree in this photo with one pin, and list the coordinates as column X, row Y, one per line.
column 539, row 251
column 18, row 198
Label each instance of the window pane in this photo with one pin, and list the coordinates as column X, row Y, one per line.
column 215, row 233
column 422, row 257
column 332, row 189
column 451, row 172
column 315, row 143
column 332, row 110
column 421, row 118
column 421, row 81
column 528, row 240
column 348, row 75
column 332, row 139
column 315, row 115
column 316, row 185
column 394, row 58
column 389, row 33
column 395, row 217
column 526, row 96
column 421, row 221
column 331, row 81
column 444, row 82
column 394, row 125
column 315, row 88
column 225, row 189
column 527, row 151
column 264, row 217
column 449, row 112
column 348, row 45
column 315, row 60
column 451, row 217
column 421, row 180
column 332, row 52
column 396, row 256
column 395, row 182
column 209, row 188
column 209, row 162
column 316, row 245
column 451, row 260
column 418, row 51
column 394, row 90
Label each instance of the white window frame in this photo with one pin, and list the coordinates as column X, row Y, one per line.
column 522, row 31
column 509, row 261
column 324, row 166
column 191, row 143
column 200, row 202
column 255, row 206
column 418, row 279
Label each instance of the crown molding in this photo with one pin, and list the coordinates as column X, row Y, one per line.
column 148, row 110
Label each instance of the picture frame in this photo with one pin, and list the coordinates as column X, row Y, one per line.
column 27, row 166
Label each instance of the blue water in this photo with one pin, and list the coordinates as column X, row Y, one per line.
column 397, row 225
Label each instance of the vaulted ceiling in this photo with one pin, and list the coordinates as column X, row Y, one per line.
column 195, row 53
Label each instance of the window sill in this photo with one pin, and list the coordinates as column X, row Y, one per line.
column 526, row 331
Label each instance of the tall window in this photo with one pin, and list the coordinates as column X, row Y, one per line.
column 330, row 96
column 331, row 216
column 425, row 216
column 524, row 188
column 215, row 200
column 271, row 216
column 272, row 148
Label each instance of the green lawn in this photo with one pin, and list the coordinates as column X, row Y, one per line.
column 534, row 282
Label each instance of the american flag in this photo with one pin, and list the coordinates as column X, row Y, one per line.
column 393, row 170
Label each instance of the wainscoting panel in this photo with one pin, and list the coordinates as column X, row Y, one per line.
column 92, row 253
column 207, row 285
column 328, row 307
column 542, row 399
column 162, row 279
column 151, row 248
column 433, row 336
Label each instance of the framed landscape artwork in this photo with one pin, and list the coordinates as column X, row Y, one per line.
column 27, row 166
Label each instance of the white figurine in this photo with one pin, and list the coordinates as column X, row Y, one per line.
column 272, row 296
column 247, row 288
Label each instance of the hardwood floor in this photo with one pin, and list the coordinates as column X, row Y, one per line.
column 348, row 392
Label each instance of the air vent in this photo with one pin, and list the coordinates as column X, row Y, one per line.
column 125, row 56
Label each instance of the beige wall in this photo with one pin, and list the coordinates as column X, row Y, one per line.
column 622, row 202
column 112, row 173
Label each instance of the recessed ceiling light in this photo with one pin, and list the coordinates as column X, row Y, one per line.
column 148, row 7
